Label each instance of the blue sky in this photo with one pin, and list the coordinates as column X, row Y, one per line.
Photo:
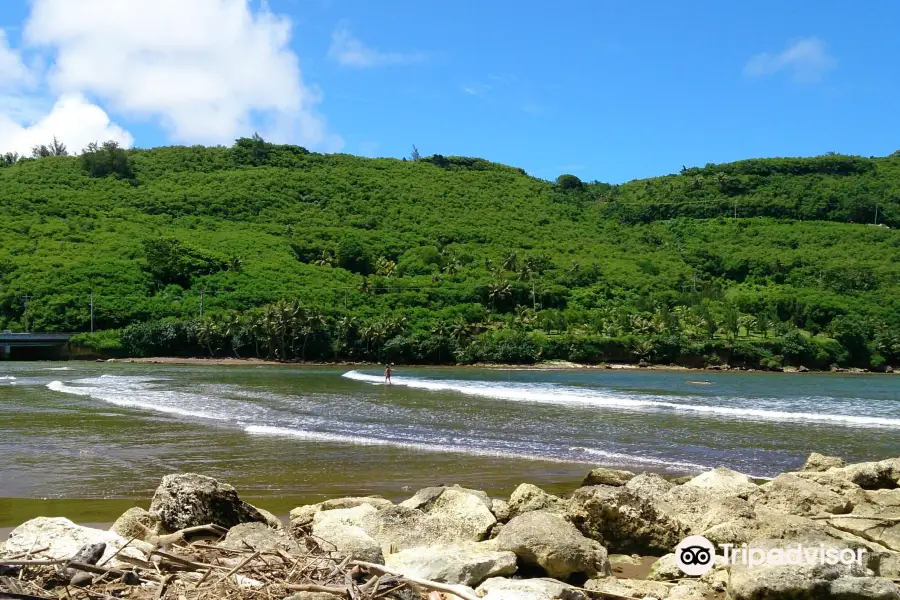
column 606, row 90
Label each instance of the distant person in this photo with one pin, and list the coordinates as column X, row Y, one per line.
column 387, row 374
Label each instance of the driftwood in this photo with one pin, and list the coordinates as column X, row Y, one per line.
column 862, row 517
column 192, row 569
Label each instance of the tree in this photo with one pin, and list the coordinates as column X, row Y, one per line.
column 569, row 182
column 415, row 154
column 106, row 159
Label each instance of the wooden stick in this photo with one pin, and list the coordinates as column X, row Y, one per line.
column 312, row 587
column 237, row 568
column 31, row 563
column 863, row 517
column 425, row 583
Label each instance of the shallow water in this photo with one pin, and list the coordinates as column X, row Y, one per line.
column 111, row 430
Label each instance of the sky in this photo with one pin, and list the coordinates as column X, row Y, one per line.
column 606, row 90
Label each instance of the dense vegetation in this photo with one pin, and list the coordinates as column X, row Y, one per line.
column 273, row 251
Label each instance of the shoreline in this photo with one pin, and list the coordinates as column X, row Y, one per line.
column 553, row 365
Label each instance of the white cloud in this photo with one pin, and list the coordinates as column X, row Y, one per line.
column 807, row 60
column 13, row 71
column 207, row 71
column 73, row 120
column 350, row 51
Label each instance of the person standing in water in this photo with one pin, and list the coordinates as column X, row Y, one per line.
column 387, row 374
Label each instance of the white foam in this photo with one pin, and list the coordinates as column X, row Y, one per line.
column 128, row 395
column 641, row 460
column 554, row 394
column 338, row 438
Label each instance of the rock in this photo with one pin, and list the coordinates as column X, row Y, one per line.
column 852, row 588
column 794, row 495
column 187, row 500
column 500, row 588
column 665, row 569
column 680, row 479
column 88, row 555
column 820, row 462
column 302, row 516
column 315, row 596
column 649, row 485
column 346, row 539
column 466, row 564
column 624, row 521
column 722, row 482
column 452, row 516
column 797, row 581
column 258, row 536
column 547, row 540
column 63, row 539
column 500, row 508
column 270, row 519
column 527, row 498
column 880, row 505
column 136, row 523
column 462, row 515
column 425, row 498
column 604, row 476
column 884, row 474
column 625, row 559
column 631, row 588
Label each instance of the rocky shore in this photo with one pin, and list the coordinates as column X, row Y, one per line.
column 455, row 542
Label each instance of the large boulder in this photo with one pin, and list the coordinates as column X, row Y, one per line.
column 549, row 541
column 723, row 482
column 468, row 563
column 301, row 518
column 61, row 538
column 876, row 519
column 624, row 521
column 795, row 495
column 649, row 485
column 527, row 498
column 426, row 497
column 258, row 536
column 137, row 523
column 453, row 517
column 653, row 590
column 541, row 588
column 188, row 500
column 883, row 474
column 820, row 462
column 345, row 539
column 805, row 581
column 604, row 476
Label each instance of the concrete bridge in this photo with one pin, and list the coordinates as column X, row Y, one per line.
column 10, row 341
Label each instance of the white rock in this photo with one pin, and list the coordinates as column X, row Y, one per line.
column 500, row 588
column 62, row 539
column 465, row 564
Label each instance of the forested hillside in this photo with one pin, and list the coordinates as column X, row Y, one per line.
column 272, row 251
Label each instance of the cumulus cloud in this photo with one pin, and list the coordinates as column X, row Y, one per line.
column 807, row 60
column 73, row 120
column 206, row 71
column 350, row 51
column 13, row 71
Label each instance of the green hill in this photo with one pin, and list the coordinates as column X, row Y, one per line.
column 290, row 254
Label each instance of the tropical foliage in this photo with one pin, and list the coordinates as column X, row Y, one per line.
column 273, row 251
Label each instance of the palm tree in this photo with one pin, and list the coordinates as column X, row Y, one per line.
column 235, row 327
column 385, row 267
column 440, row 331
column 498, row 290
column 345, row 326
column 460, row 330
column 524, row 317
column 511, row 261
column 208, row 334
column 731, row 322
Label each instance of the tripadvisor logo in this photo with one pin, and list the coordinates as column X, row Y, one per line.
column 696, row 555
